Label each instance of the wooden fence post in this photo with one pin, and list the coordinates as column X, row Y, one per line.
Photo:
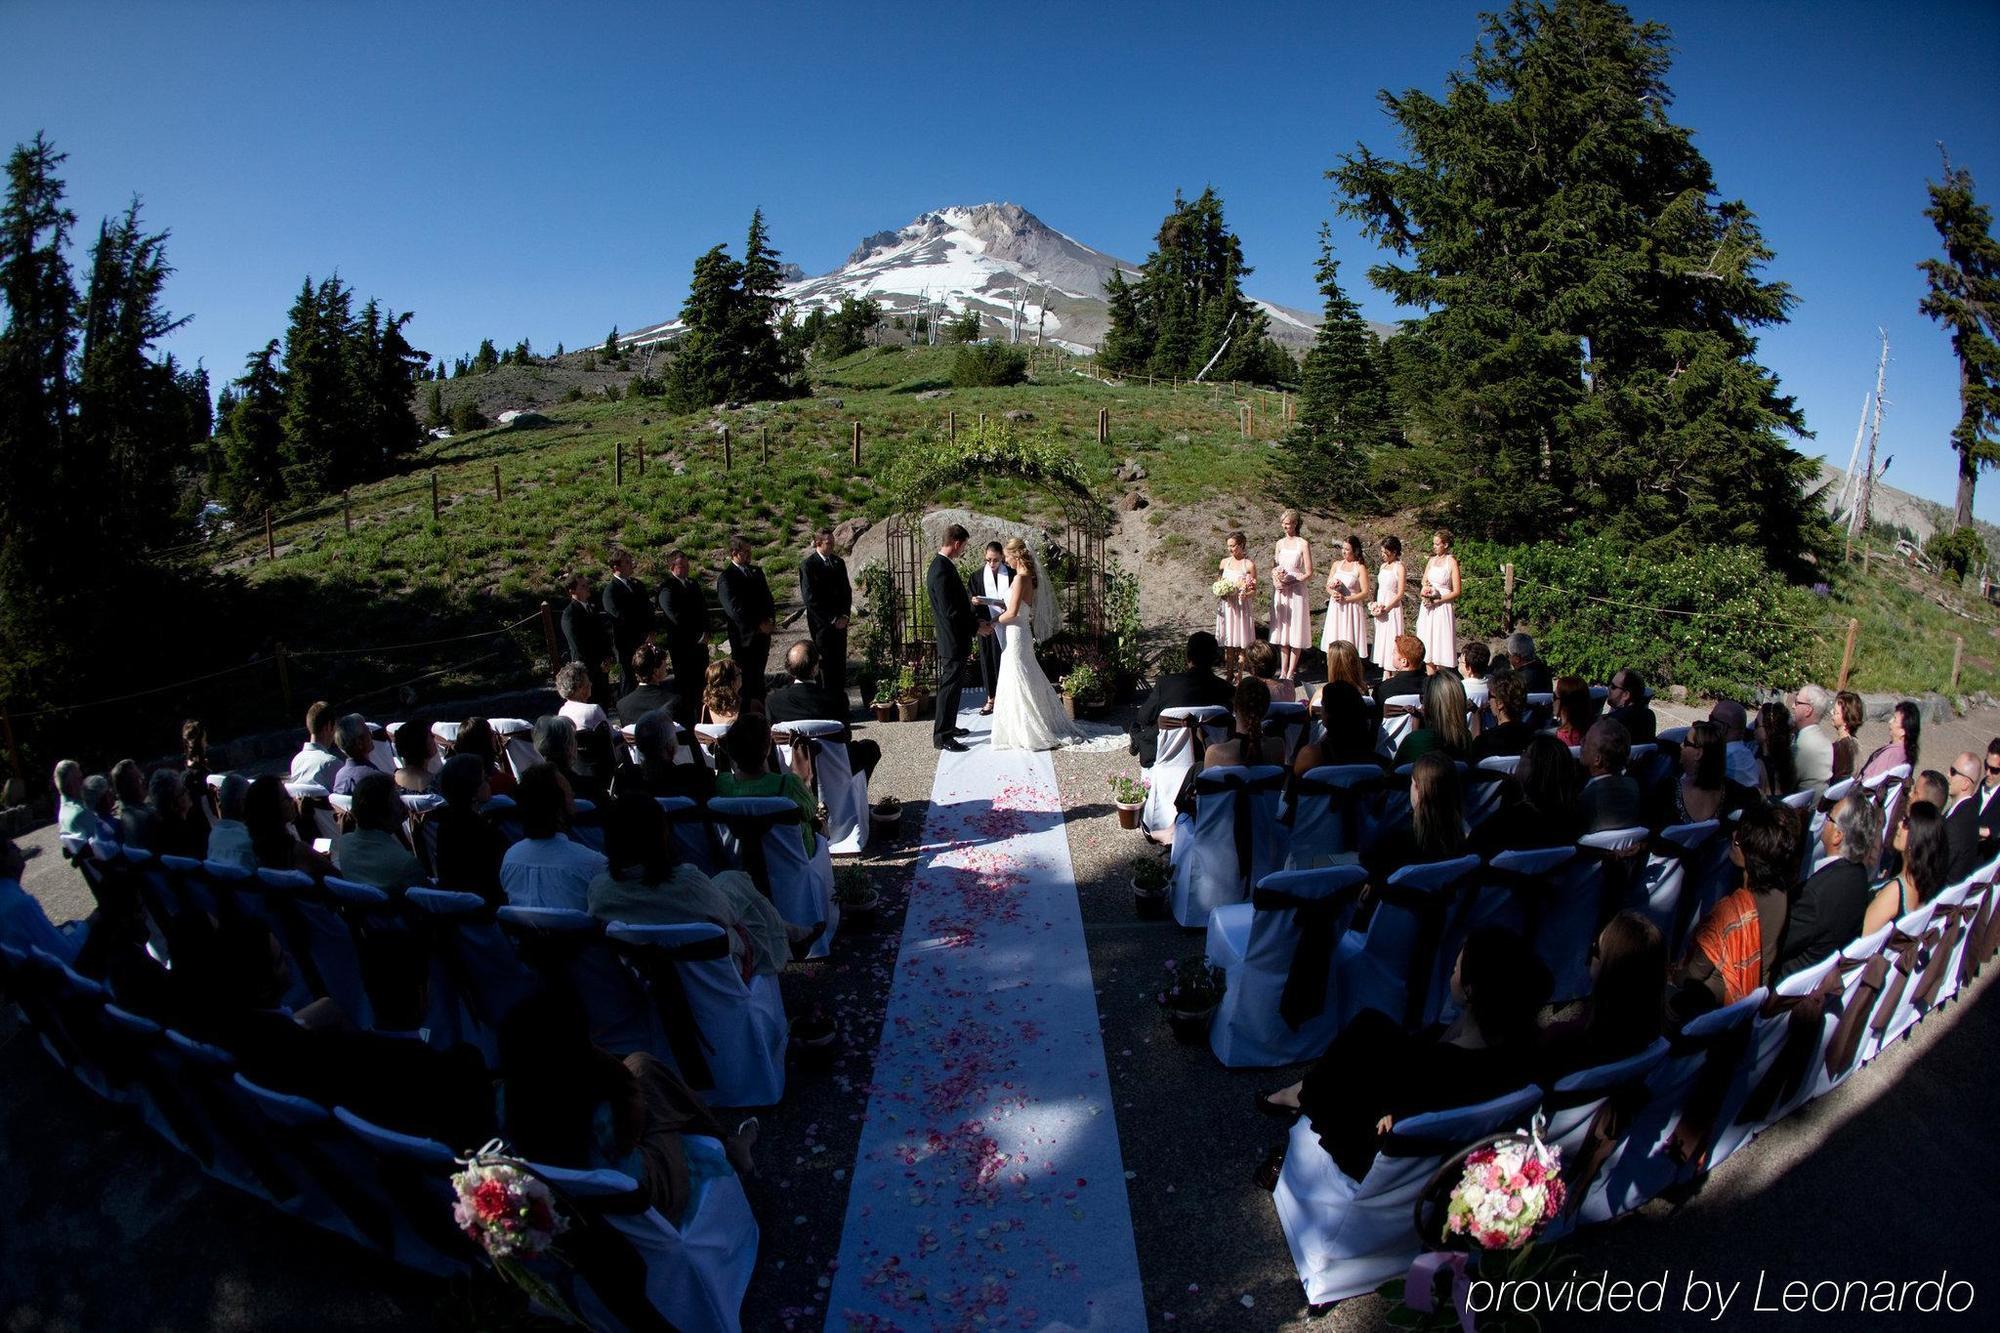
column 1104, row 423
column 728, row 451
column 1957, row 659
column 1507, row 595
column 764, row 443
column 1847, row 654
column 270, row 540
column 346, row 512
column 549, row 635
column 982, row 428
column 618, row 465
column 436, row 514
column 1243, row 418
column 284, row 677
column 499, row 496
column 857, row 446
column 951, row 425
column 639, row 446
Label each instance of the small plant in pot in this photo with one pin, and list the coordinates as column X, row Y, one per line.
column 1082, row 688
column 884, row 703
column 1192, row 994
column 816, row 1038
column 858, row 898
column 886, row 815
column 909, row 700
column 1129, row 795
column 1149, row 885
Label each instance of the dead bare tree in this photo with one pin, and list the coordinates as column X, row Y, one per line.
column 1226, row 335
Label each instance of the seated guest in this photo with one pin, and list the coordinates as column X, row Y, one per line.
column 546, row 868
column 1777, row 772
column 750, row 773
column 1735, row 946
column 319, row 760
column 1848, row 715
column 1546, row 813
column 416, row 750
column 1376, row 1074
column 476, row 737
column 1474, row 657
column 1507, row 700
column 1409, row 676
column 805, row 699
column 195, row 770
column 1739, row 755
column 1961, row 816
column 1812, row 748
column 73, row 817
column 1987, row 798
column 1434, row 829
column 1610, row 797
column 374, row 851
column 1533, row 671
column 567, row 1103
column 1826, row 916
column 647, row 884
column 102, row 804
column 468, row 847
column 1625, row 700
column 138, row 826
column 1444, row 730
column 177, row 829
column 271, row 817
column 722, row 692
column 1262, row 660
column 1627, row 1007
column 556, row 744
column 1343, row 663
column 1246, row 745
column 357, row 743
column 1347, row 731
column 23, row 923
column 658, row 773
column 649, row 668
column 573, row 684
column 1574, row 707
column 1906, row 725
column 1926, row 854
column 1704, row 789
column 229, row 840
column 1195, row 687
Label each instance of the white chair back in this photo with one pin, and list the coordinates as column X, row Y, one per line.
column 1178, row 750
column 1330, row 813
column 841, row 790
column 742, row 1025
column 1401, row 715
column 1236, row 812
column 1278, row 1007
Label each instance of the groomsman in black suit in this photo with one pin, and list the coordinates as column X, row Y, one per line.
column 752, row 614
column 686, row 610
column 957, row 627
column 630, row 607
column 586, row 635
column 829, row 600
column 991, row 580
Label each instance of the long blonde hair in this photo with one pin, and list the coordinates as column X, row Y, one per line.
column 1016, row 549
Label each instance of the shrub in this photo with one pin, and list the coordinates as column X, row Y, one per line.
column 466, row 416
column 1715, row 619
column 988, row 365
column 1956, row 553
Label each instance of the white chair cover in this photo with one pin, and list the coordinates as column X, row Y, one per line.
column 1572, row 1105
column 1396, row 725
column 1377, row 970
column 744, row 1027
column 516, row 736
column 1330, row 813
column 842, row 791
column 1347, row 1236
column 1674, row 881
column 311, row 796
column 1570, row 918
column 1859, row 994
column 1257, row 943
column 1501, row 763
column 1172, row 759
column 800, row 886
column 1675, row 736
column 697, row 1266
column 1910, row 944
column 1289, row 719
column 1207, row 868
column 1783, row 1018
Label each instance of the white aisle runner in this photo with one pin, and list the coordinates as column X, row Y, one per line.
column 989, row 1191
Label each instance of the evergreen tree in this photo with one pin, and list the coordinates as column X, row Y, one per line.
column 434, row 416
column 1342, row 407
column 522, row 356
column 253, row 434
column 611, row 350
column 707, row 356
column 760, row 361
column 1964, row 297
column 486, row 358
column 559, row 351
column 964, row 329
column 1590, row 307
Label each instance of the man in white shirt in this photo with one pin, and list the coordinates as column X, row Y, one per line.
column 229, row 837
column 1734, row 720
column 1812, row 748
column 318, row 761
column 546, row 868
column 73, row 817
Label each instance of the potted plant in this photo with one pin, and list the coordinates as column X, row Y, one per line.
column 884, row 705
column 1149, row 885
column 1191, row 997
column 1129, row 795
column 885, row 815
column 858, row 898
column 909, row 701
column 815, row 1035
column 1081, row 686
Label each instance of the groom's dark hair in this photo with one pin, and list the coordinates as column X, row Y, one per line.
column 1203, row 652
column 955, row 533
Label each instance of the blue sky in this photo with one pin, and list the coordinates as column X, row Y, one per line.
column 549, row 171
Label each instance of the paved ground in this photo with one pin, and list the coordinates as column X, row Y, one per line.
column 1885, row 1179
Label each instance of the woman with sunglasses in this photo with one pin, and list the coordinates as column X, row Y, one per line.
column 1703, row 790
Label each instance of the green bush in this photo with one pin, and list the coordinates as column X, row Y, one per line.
column 466, row 416
column 1955, row 553
column 993, row 365
column 1716, row 619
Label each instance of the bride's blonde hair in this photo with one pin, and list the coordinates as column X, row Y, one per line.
column 1017, row 550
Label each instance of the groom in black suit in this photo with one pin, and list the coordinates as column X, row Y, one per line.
column 991, row 579
column 957, row 627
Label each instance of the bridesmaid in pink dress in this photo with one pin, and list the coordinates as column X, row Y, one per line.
column 1348, row 589
column 1235, row 618
column 1437, row 619
column 1291, row 604
column 1386, row 611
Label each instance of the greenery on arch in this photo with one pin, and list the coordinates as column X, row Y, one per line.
column 930, row 464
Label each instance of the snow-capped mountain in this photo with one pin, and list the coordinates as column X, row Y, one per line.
column 991, row 258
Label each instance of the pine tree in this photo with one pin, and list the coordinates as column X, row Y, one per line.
column 323, row 399
column 1964, row 297
column 253, row 434
column 759, row 360
column 35, row 390
column 434, row 406
column 611, row 350
column 486, row 358
column 1342, row 407
column 1591, row 307
column 707, row 357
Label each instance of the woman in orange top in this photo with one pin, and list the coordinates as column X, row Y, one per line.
column 1733, row 948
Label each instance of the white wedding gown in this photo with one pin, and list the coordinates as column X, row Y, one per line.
column 1027, row 710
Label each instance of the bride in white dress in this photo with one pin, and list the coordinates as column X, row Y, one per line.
column 1027, row 710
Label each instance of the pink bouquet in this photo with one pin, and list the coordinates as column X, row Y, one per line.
column 1510, row 1188
column 508, row 1212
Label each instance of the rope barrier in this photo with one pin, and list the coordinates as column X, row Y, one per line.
column 402, row 684
column 54, row 709
column 1519, row 582
column 422, row 643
